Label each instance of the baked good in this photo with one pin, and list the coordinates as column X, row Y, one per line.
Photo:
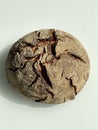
column 48, row 65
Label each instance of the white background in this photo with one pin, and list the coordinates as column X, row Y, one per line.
column 78, row 17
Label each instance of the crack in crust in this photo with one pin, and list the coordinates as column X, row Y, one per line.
column 76, row 57
column 19, row 68
column 45, row 75
column 50, row 92
column 34, row 81
column 41, row 100
column 13, row 69
column 71, row 83
column 28, row 44
column 53, row 46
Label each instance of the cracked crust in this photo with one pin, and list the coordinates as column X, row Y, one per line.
column 49, row 66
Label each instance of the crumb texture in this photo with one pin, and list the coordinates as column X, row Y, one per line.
column 49, row 66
